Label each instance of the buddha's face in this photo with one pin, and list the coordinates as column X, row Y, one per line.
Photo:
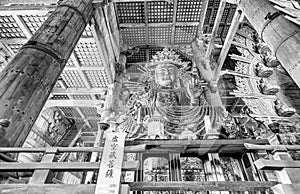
column 166, row 75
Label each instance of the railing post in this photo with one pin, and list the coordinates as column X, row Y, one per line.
column 44, row 176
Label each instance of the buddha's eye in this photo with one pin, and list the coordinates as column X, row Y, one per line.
column 163, row 70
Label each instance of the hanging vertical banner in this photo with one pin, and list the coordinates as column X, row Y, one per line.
column 109, row 176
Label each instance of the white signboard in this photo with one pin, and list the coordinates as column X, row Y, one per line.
column 108, row 181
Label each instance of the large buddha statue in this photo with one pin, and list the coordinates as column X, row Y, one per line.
column 177, row 96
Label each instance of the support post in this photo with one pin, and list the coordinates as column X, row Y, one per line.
column 98, row 143
column 237, row 19
column 44, row 176
column 211, row 44
column 28, row 79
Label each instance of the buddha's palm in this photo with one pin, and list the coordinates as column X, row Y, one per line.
column 202, row 63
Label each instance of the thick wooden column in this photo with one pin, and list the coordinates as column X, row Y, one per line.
column 28, row 79
column 282, row 35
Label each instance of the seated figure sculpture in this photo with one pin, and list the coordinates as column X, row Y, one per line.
column 283, row 110
column 176, row 100
column 267, row 88
column 262, row 70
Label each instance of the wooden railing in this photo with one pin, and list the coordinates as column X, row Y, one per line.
column 41, row 181
column 287, row 170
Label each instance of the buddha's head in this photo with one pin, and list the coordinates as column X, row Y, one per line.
column 166, row 75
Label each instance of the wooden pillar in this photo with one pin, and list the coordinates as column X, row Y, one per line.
column 28, row 79
column 282, row 35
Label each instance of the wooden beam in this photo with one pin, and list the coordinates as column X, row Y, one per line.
column 210, row 46
column 202, row 16
column 140, row 145
column 286, row 188
column 10, row 2
column 175, row 4
column 73, row 103
column 42, row 175
column 22, row 25
column 87, row 123
column 250, row 146
column 140, row 186
column 77, row 64
column 72, row 143
column 199, row 143
column 54, row 2
column 14, row 40
column 237, row 19
column 128, row 149
column 79, row 91
column 235, row 73
column 25, row 9
column 253, row 95
column 146, row 22
column 111, row 43
column 129, row 25
column 235, row 104
column 87, row 118
column 54, row 188
column 263, row 164
column 61, row 166
column 84, row 68
column 97, row 29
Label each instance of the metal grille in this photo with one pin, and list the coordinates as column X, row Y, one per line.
column 87, row 32
column 69, row 111
column 160, row 35
column 72, row 79
column 185, row 34
column 131, row 12
column 140, row 56
column 134, row 35
column 60, row 97
column 57, row 85
column 226, row 19
column 33, row 22
column 188, row 10
column 160, row 12
column 88, row 54
column 89, row 112
column 153, row 51
column 81, row 97
column 15, row 47
column 97, row 78
column 70, row 63
column 9, row 28
column 79, row 123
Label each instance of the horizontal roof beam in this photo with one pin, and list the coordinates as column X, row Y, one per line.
column 54, row 2
column 75, row 103
column 79, row 91
column 128, row 25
